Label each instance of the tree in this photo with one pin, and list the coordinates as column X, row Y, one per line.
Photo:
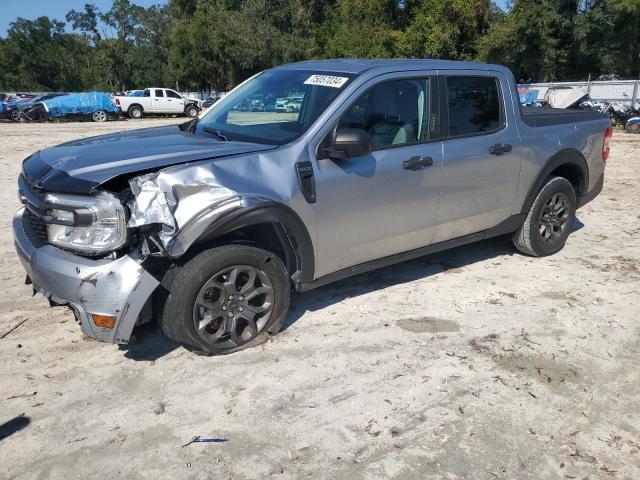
column 609, row 37
column 124, row 20
column 32, row 54
column 536, row 39
column 202, row 44
column 150, row 55
column 86, row 22
column 365, row 28
column 445, row 29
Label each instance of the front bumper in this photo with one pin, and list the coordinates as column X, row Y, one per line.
column 117, row 288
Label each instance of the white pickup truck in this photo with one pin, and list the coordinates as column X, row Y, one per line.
column 155, row 101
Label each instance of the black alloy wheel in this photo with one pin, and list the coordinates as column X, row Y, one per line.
column 233, row 306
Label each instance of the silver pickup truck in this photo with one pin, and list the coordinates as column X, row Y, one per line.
column 209, row 226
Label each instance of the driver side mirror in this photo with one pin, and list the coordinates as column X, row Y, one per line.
column 350, row 142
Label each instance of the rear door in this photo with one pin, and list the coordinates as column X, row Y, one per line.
column 481, row 149
column 384, row 203
column 175, row 102
column 160, row 103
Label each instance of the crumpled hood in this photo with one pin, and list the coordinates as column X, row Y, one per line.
column 82, row 165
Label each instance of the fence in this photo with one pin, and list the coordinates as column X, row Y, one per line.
column 204, row 95
column 622, row 91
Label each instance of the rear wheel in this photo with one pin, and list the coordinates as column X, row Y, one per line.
column 549, row 221
column 226, row 299
column 99, row 116
column 135, row 112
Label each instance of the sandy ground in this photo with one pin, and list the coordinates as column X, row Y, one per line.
column 477, row 363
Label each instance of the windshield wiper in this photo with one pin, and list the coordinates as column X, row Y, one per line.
column 217, row 133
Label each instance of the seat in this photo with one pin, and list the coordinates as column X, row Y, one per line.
column 388, row 111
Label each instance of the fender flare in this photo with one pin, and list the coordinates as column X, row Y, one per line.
column 565, row 157
column 292, row 233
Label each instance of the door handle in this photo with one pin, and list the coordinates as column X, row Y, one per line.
column 500, row 148
column 417, row 163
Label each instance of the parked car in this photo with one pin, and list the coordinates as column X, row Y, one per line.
column 29, row 108
column 209, row 101
column 158, row 101
column 293, row 106
column 209, row 226
column 25, row 96
column 281, row 104
column 96, row 106
column 6, row 107
column 633, row 125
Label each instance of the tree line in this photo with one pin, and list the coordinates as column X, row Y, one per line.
column 215, row 44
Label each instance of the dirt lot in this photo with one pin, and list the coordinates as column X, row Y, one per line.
column 477, row 363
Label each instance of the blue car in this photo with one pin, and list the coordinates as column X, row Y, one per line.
column 95, row 105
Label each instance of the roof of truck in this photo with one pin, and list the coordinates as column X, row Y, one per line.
column 360, row 65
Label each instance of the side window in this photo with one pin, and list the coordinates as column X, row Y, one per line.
column 394, row 113
column 147, row 93
column 159, row 93
column 172, row 94
column 474, row 105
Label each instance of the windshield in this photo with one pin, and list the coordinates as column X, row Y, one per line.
column 275, row 107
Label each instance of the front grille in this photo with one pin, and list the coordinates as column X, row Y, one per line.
column 33, row 199
column 35, row 228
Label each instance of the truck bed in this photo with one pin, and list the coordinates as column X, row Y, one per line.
column 544, row 117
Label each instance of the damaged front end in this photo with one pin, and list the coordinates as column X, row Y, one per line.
column 95, row 253
column 174, row 204
column 95, row 289
column 181, row 204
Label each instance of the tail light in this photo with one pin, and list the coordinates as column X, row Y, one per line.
column 608, row 133
column 117, row 101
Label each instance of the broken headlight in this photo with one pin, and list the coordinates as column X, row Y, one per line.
column 86, row 224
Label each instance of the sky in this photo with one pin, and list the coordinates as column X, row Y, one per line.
column 32, row 9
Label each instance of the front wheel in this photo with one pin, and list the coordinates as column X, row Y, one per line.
column 226, row 299
column 191, row 111
column 549, row 221
column 16, row 116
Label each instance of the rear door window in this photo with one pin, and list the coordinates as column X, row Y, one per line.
column 474, row 105
column 159, row 93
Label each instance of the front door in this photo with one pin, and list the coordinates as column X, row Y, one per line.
column 387, row 202
column 482, row 150
column 175, row 101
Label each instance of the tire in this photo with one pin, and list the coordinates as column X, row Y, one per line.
column 550, row 219
column 633, row 127
column 191, row 111
column 135, row 112
column 16, row 116
column 99, row 116
column 235, row 316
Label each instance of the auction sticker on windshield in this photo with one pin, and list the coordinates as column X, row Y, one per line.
column 326, row 81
